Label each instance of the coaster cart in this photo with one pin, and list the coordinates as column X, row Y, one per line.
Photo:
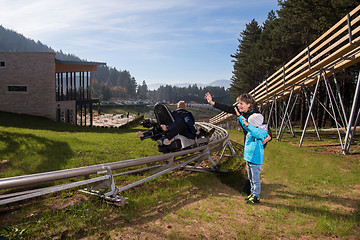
column 180, row 142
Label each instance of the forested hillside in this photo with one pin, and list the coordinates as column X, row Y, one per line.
column 105, row 77
column 265, row 48
column 11, row 41
column 110, row 83
column 191, row 93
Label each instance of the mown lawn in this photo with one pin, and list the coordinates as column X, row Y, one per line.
column 307, row 192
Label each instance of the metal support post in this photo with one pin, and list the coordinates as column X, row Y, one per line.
column 229, row 145
column 271, row 110
column 311, row 107
column 288, row 119
column 286, row 109
column 170, row 163
column 333, row 97
column 212, row 162
column 289, row 114
column 332, row 107
column 313, row 119
column 352, row 114
column 353, row 132
column 340, row 98
column 330, row 114
column 275, row 112
column 287, row 124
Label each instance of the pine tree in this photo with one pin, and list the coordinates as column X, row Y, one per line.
column 245, row 75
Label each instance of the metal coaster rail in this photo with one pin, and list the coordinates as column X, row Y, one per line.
column 164, row 163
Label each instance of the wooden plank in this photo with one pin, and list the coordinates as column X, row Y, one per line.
column 297, row 70
column 343, row 30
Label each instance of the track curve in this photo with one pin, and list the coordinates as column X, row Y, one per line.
column 166, row 162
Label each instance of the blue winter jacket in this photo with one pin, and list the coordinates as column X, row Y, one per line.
column 254, row 149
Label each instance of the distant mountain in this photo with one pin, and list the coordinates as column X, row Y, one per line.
column 218, row 83
column 221, row 83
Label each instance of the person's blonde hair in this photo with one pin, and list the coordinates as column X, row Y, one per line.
column 181, row 104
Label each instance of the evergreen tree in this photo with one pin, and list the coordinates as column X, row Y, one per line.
column 246, row 74
column 268, row 47
column 142, row 91
column 106, row 92
column 302, row 21
column 263, row 50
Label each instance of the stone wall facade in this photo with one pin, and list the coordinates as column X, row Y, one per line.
column 27, row 83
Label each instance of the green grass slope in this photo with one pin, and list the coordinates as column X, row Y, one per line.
column 307, row 193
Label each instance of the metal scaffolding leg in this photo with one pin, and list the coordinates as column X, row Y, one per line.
column 330, row 114
column 283, row 120
column 313, row 119
column 227, row 145
column 216, row 166
column 287, row 124
column 289, row 121
column 354, row 129
column 276, row 130
column 333, row 109
column 311, row 107
column 335, row 102
column 292, row 108
column 271, row 110
column 352, row 116
column 340, row 99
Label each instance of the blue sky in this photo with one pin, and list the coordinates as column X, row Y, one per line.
column 159, row 41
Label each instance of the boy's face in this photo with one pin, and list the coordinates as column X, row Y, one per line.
column 243, row 107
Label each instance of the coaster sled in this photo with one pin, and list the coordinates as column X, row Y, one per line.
column 180, row 142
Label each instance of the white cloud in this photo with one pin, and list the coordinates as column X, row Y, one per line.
column 39, row 17
column 148, row 30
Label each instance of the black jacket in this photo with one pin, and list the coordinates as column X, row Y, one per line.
column 189, row 120
column 231, row 109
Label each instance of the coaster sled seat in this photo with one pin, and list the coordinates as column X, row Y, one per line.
column 179, row 142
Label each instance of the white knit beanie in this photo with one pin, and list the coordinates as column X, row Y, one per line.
column 256, row 119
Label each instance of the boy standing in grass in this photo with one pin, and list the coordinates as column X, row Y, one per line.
column 253, row 152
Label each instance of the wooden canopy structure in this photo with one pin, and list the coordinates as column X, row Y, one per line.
column 337, row 49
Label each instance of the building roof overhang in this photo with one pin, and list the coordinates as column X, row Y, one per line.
column 76, row 66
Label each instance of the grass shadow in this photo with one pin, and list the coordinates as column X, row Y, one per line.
column 54, row 154
column 322, row 204
column 236, row 167
column 233, row 179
